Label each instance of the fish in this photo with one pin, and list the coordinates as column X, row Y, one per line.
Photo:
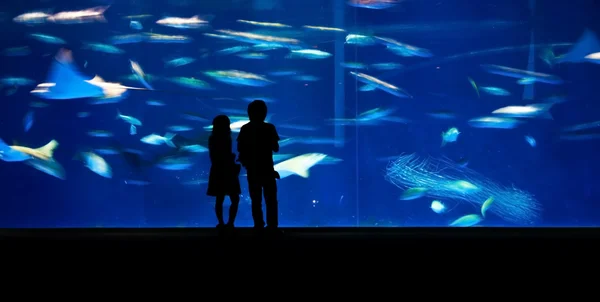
column 308, row 54
column 16, row 81
column 486, row 206
column 100, row 133
column 586, row 45
column 50, row 167
column 529, row 111
column 155, row 103
column 96, row 164
column 462, row 186
column 323, row 28
column 132, row 130
column 128, row 119
column 232, row 50
column 360, row 40
column 166, row 39
column 47, row 39
column 21, row 153
column 94, row 14
column 438, row 207
column 179, row 128
column 467, row 221
column 450, row 136
column 128, row 39
column 530, row 140
column 403, row 49
column 264, row 24
column 100, row 47
column 136, row 69
column 495, row 91
column 137, row 25
column 594, row 57
column 353, row 65
column 254, row 38
column 494, row 122
column 386, row 66
column 65, row 81
column 32, row 18
column 28, row 121
column 183, row 23
column 107, row 150
column 155, row 139
column 9, row 154
column 253, row 56
column 194, row 148
column 175, row 163
column 178, row 62
column 474, row 85
column 413, row 193
column 238, row 78
column 306, row 78
column 520, row 74
column 298, row 165
column 280, row 157
column 190, row 83
column 373, row 4
column 135, row 182
column 375, row 83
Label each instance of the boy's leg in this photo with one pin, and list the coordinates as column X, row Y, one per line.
column 270, row 192
column 255, row 191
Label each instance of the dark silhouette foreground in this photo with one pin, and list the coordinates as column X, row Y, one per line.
column 256, row 143
column 223, row 179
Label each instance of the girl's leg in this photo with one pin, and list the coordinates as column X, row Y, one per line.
column 219, row 209
column 233, row 209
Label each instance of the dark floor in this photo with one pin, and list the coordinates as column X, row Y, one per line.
column 347, row 239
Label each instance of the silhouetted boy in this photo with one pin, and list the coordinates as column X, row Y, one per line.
column 256, row 143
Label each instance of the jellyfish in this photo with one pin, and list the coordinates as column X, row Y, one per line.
column 438, row 174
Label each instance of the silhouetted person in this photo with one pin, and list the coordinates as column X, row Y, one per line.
column 223, row 179
column 256, row 143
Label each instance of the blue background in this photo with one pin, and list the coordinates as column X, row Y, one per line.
column 561, row 174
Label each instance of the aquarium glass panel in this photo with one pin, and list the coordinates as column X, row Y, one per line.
column 390, row 113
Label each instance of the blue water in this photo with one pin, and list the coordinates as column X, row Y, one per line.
column 352, row 189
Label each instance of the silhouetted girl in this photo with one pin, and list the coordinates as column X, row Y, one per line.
column 223, row 179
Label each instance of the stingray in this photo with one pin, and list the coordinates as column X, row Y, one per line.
column 66, row 82
column 586, row 45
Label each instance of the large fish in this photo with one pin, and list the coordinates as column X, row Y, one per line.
column 65, row 82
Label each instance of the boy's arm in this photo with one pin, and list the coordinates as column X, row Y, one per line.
column 241, row 146
column 275, row 146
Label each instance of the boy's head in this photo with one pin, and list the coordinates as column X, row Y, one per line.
column 257, row 111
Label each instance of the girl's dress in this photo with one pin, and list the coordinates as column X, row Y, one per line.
column 223, row 179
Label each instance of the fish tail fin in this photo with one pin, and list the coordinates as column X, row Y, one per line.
column 300, row 170
column 547, row 115
column 48, row 150
column 118, row 114
column 443, row 140
column 545, row 108
column 3, row 145
column 169, row 139
column 100, row 9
